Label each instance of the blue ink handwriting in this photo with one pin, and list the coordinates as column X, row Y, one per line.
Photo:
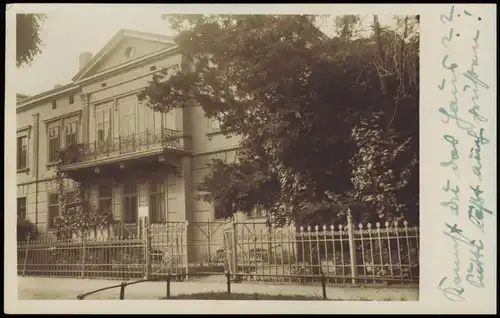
column 449, row 17
column 475, row 275
column 453, row 105
column 479, row 141
column 477, row 209
column 452, row 204
column 475, row 269
column 454, row 153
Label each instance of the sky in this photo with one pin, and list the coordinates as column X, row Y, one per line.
column 70, row 31
column 67, row 33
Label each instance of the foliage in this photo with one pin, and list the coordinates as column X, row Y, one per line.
column 81, row 217
column 25, row 228
column 325, row 124
column 28, row 39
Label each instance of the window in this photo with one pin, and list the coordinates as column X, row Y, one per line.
column 70, row 131
column 54, row 143
column 130, row 203
column 53, row 211
column 21, row 208
column 157, row 201
column 152, row 68
column 105, row 198
column 170, row 120
column 103, row 124
column 129, row 52
column 128, row 107
column 71, row 99
column 222, row 210
column 54, row 104
column 22, row 152
column 214, row 124
column 70, row 197
column 258, row 212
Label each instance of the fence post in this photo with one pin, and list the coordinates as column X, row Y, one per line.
column 235, row 248
column 209, row 231
column 122, row 290
column 28, row 238
column 147, row 254
column 84, row 256
column 352, row 247
column 228, row 281
column 169, row 277
column 323, row 285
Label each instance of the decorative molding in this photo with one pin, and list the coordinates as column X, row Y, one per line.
column 64, row 116
column 25, row 130
column 84, row 97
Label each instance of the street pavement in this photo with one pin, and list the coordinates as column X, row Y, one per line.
column 31, row 288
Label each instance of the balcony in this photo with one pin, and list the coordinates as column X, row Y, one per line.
column 123, row 148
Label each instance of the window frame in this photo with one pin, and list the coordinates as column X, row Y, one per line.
column 127, row 198
column 211, row 128
column 215, row 209
column 51, row 226
column 101, row 109
column 19, row 150
column 25, row 208
column 23, row 132
column 75, row 133
column 60, row 122
column 159, row 196
column 257, row 213
column 54, row 152
column 101, row 199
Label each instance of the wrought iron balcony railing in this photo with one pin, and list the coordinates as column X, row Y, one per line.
column 122, row 145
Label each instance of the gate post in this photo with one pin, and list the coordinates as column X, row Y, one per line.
column 352, row 247
column 234, row 228
column 146, row 233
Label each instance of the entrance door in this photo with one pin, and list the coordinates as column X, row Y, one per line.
column 130, row 207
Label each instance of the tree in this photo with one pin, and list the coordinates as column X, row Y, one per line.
column 297, row 99
column 28, row 40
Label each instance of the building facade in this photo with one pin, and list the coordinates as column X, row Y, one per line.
column 134, row 157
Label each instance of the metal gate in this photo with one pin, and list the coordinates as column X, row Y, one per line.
column 166, row 248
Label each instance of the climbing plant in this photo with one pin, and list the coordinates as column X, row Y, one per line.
column 82, row 217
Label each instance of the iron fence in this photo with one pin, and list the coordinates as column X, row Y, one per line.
column 252, row 251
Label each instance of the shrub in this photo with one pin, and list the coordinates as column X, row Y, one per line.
column 25, row 227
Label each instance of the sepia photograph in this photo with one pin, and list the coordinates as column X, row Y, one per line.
column 165, row 156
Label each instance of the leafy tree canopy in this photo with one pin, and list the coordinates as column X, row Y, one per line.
column 325, row 123
column 28, row 40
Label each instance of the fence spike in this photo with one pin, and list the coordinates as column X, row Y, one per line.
column 316, row 228
column 332, row 227
column 340, row 227
column 301, row 228
column 360, row 226
column 377, row 224
column 369, row 225
column 386, row 224
column 308, row 228
column 405, row 223
column 396, row 223
column 324, row 227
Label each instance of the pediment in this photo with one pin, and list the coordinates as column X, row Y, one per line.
column 125, row 47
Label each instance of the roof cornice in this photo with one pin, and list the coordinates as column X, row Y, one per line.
column 25, row 103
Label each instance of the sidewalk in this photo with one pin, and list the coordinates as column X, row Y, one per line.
column 30, row 288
